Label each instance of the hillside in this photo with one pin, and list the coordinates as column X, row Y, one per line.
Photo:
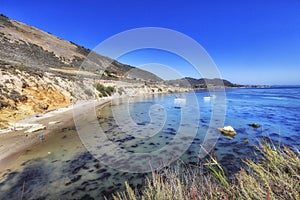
column 39, row 73
column 30, row 47
column 202, row 83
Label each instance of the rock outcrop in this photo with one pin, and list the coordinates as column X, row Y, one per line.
column 228, row 131
column 254, row 125
column 24, row 92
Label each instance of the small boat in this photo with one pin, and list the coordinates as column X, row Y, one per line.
column 179, row 99
column 208, row 98
column 179, row 102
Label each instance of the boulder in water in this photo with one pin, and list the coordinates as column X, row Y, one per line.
column 228, row 131
column 254, row 125
column 246, row 141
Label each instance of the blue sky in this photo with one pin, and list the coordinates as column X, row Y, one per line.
column 251, row 42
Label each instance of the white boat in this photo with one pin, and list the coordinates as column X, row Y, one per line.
column 179, row 102
column 179, row 99
column 208, row 98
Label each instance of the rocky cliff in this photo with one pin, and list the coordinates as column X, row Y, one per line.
column 39, row 73
column 25, row 92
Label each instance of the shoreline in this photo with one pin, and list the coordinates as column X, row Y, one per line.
column 15, row 142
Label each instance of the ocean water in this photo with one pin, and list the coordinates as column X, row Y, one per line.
column 276, row 110
column 126, row 139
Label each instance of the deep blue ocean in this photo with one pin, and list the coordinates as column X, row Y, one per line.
column 153, row 131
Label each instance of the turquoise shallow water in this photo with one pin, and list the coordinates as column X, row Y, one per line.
column 140, row 126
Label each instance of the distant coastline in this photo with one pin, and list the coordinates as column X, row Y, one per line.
column 285, row 86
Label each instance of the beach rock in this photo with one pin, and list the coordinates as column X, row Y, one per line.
column 53, row 122
column 20, row 126
column 35, row 127
column 228, row 131
column 254, row 125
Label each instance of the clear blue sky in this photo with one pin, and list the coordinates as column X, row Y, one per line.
column 251, row 41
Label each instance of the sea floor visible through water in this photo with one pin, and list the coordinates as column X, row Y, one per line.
column 62, row 167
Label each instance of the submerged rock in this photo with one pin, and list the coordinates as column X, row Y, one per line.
column 254, row 125
column 228, row 131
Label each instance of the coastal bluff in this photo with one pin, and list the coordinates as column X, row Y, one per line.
column 39, row 73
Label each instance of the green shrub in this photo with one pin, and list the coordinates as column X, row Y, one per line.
column 110, row 90
column 104, row 91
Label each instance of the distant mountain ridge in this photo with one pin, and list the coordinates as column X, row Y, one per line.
column 202, row 83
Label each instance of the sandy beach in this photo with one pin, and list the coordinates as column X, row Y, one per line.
column 15, row 142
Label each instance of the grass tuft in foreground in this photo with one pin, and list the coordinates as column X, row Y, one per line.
column 276, row 175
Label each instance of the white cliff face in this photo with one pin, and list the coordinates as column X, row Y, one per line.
column 24, row 93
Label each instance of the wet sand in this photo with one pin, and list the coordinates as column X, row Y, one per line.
column 61, row 166
column 14, row 143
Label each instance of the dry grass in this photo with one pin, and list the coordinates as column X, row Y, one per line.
column 275, row 176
